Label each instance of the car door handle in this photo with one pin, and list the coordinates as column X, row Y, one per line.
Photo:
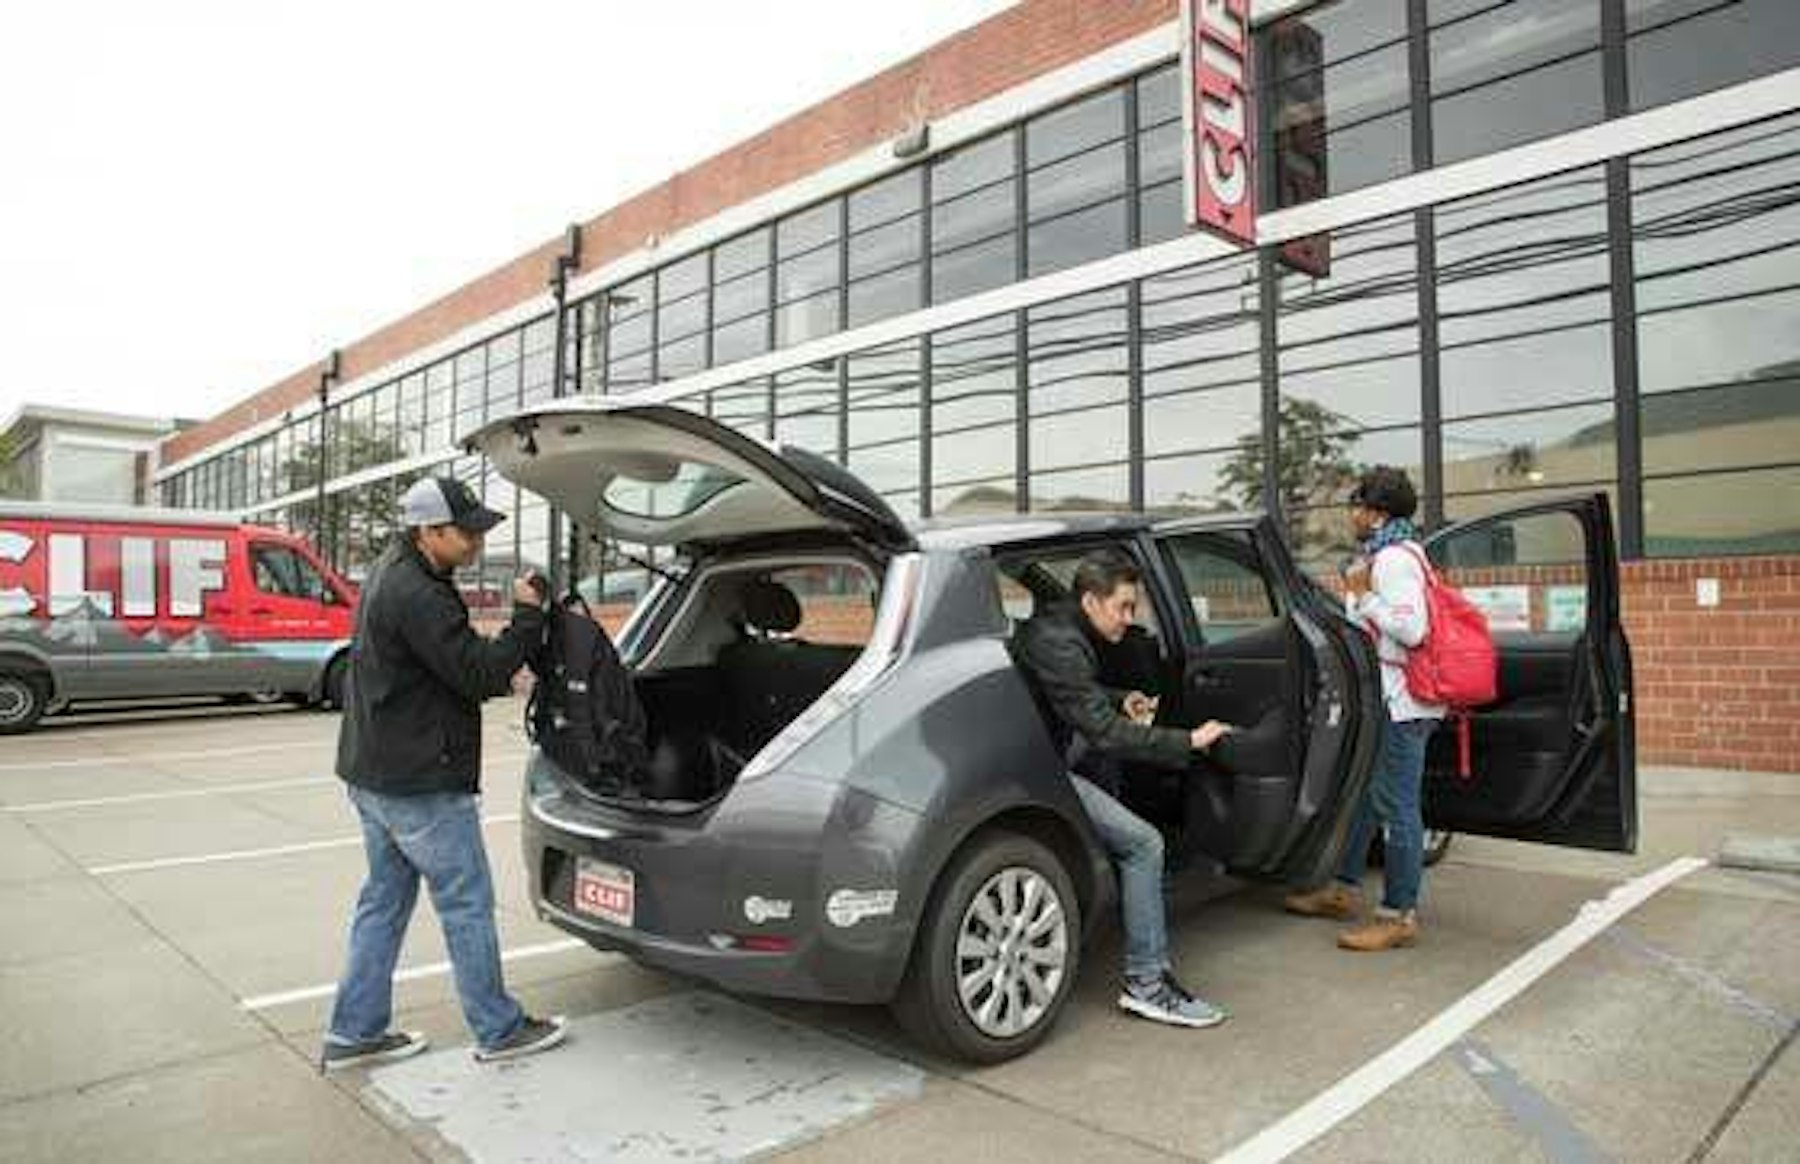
column 263, row 611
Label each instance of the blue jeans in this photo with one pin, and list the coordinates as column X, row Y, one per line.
column 436, row 836
column 1137, row 850
column 1392, row 804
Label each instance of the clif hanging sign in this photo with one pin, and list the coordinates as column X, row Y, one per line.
column 1219, row 159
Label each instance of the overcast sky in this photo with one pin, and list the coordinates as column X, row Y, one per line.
column 200, row 197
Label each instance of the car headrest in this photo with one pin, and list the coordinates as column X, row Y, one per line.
column 771, row 607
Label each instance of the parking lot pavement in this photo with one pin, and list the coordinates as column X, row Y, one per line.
column 174, row 895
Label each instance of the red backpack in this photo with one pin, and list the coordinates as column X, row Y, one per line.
column 1456, row 665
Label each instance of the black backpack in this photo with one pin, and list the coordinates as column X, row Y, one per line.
column 584, row 712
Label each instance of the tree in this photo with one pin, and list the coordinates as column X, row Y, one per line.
column 1313, row 469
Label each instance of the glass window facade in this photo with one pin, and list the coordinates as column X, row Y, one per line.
column 1717, row 255
column 1680, row 48
column 1525, row 338
column 1502, row 74
column 1337, row 85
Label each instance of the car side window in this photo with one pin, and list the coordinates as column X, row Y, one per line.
column 1222, row 575
column 277, row 571
column 1027, row 581
column 837, row 602
column 1528, row 574
column 312, row 583
column 280, row 571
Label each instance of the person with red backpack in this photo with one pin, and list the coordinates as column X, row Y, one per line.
column 1387, row 593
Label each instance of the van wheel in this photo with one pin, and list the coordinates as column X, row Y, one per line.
column 996, row 954
column 23, row 700
column 331, row 691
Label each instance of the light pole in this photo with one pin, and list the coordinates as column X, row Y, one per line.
column 562, row 566
column 328, row 376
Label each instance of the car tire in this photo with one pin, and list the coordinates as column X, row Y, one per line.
column 24, row 697
column 1018, row 881
column 331, row 688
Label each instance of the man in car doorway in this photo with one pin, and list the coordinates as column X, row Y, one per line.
column 410, row 751
column 1385, row 594
column 1097, row 728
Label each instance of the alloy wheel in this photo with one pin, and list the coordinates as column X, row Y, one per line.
column 1012, row 952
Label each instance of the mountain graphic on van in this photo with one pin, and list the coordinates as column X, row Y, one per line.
column 201, row 644
column 77, row 628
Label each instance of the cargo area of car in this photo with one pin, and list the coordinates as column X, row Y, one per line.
column 728, row 673
column 707, row 722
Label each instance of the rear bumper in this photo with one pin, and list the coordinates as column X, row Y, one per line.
column 760, row 865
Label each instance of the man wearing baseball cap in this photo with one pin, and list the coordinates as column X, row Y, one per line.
column 410, row 751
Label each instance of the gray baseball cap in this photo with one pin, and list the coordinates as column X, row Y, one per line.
column 447, row 501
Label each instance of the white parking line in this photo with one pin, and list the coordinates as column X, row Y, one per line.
column 308, row 993
column 178, row 794
column 252, row 854
column 154, row 757
column 144, row 757
column 1364, row 1085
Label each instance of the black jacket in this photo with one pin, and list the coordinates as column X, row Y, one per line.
column 1059, row 648
column 418, row 673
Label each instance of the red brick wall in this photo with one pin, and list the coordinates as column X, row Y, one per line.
column 1026, row 41
column 1719, row 687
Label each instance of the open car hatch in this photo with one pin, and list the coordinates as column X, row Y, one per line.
column 660, row 475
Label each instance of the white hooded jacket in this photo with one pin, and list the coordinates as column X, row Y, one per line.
column 1395, row 612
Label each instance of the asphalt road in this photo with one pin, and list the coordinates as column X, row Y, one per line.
column 175, row 889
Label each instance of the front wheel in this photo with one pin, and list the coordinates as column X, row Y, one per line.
column 23, row 700
column 997, row 952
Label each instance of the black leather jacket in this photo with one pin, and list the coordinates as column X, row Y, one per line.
column 418, row 673
column 1060, row 651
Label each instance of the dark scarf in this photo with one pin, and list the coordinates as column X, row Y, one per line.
column 1392, row 532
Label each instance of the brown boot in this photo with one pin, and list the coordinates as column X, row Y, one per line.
column 1334, row 900
column 1387, row 930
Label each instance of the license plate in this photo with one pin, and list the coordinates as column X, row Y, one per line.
column 605, row 891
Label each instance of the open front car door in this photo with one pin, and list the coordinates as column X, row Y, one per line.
column 1554, row 758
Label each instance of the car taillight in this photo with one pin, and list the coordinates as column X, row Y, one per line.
column 892, row 621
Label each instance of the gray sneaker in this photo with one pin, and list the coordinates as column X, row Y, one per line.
column 533, row 1035
column 385, row 1049
column 1166, row 1001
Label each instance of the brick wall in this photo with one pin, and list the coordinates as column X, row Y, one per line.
column 1719, row 687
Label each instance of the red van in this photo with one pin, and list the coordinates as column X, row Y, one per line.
column 101, row 603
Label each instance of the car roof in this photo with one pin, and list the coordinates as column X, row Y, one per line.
column 960, row 533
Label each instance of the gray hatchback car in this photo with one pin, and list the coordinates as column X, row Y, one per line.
column 870, row 807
